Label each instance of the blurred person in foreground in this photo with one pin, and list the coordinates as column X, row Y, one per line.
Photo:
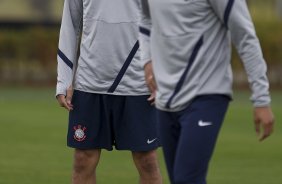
column 185, row 48
column 109, row 104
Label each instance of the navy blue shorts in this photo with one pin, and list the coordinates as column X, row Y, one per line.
column 189, row 136
column 100, row 121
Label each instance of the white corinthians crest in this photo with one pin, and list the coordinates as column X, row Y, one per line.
column 79, row 133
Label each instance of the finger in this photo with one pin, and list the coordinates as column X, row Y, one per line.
column 257, row 126
column 61, row 99
column 69, row 98
column 264, row 136
column 66, row 106
column 151, row 99
column 268, row 129
column 265, row 133
column 68, row 101
column 63, row 103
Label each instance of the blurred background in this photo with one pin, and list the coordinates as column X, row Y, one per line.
column 28, row 41
column 33, row 127
column 29, row 35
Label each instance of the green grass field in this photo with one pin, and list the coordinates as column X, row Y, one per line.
column 33, row 151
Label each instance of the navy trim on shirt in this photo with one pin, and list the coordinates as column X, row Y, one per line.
column 227, row 12
column 124, row 67
column 183, row 77
column 144, row 31
column 65, row 58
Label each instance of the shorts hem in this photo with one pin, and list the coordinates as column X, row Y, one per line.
column 90, row 147
column 138, row 149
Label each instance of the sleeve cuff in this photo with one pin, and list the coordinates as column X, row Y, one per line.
column 263, row 101
column 60, row 91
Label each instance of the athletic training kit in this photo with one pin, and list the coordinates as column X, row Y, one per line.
column 190, row 47
column 189, row 42
column 110, row 98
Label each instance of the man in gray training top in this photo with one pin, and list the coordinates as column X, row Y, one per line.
column 188, row 42
column 109, row 105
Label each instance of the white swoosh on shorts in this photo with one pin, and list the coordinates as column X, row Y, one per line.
column 151, row 141
column 203, row 123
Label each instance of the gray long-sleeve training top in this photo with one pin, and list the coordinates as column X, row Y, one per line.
column 109, row 60
column 189, row 43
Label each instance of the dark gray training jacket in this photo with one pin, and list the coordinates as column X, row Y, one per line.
column 189, row 42
column 109, row 60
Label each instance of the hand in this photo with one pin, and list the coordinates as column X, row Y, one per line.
column 65, row 101
column 152, row 97
column 150, row 81
column 263, row 118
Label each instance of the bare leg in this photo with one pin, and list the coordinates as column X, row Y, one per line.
column 84, row 167
column 148, row 167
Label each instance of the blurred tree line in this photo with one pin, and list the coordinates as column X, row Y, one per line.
column 43, row 8
column 28, row 53
column 267, row 16
column 28, row 41
column 28, row 56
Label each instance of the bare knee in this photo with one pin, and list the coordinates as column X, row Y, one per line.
column 147, row 163
column 85, row 160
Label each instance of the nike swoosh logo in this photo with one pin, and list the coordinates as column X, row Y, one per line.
column 203, row 124
column 151, row 141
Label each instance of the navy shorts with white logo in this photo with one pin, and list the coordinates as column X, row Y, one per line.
column 101, row 121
